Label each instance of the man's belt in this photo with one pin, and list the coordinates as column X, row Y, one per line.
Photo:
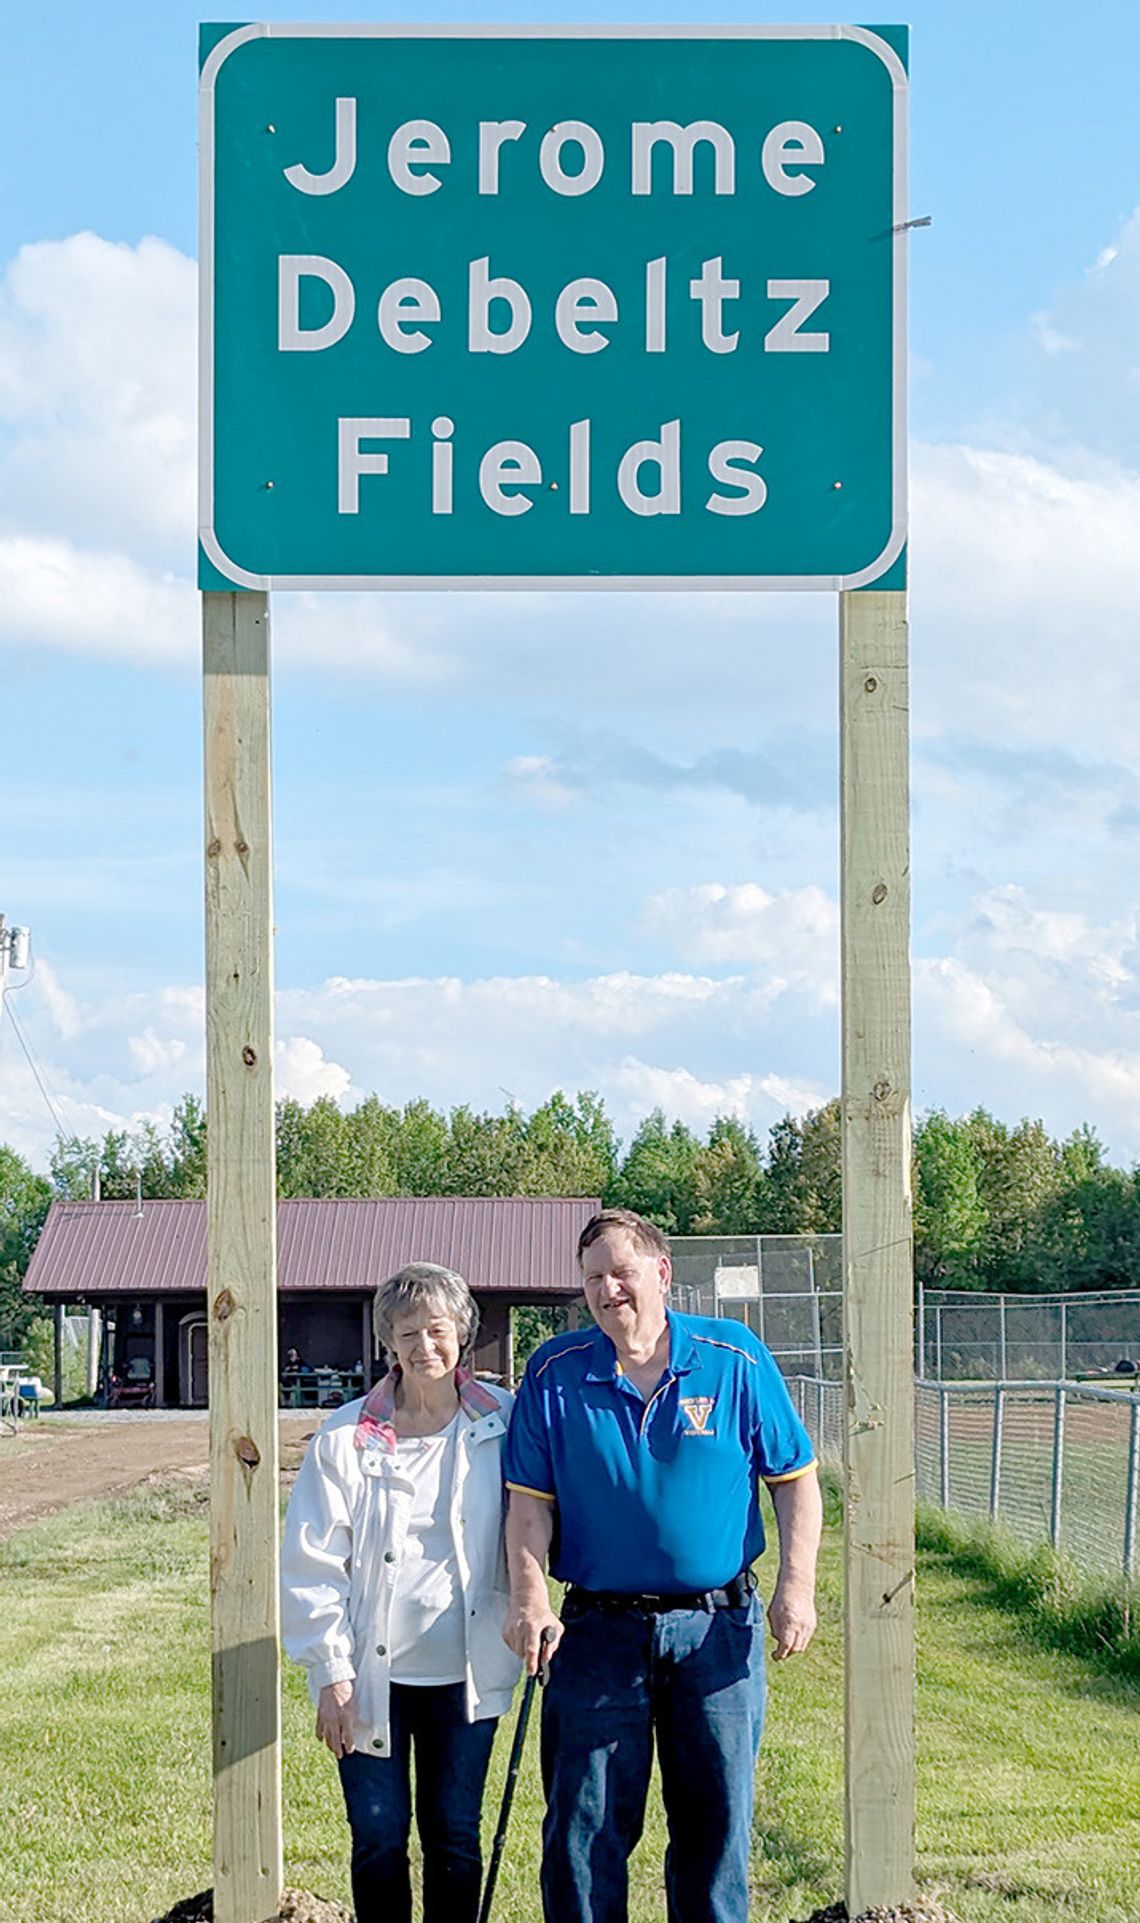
column 734, row 1595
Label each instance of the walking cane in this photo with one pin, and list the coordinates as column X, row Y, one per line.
column 509, row 1786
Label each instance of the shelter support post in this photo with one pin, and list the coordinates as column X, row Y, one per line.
column 57, row 1357
column 877, row 1251
column 242, row 1260
column 94, row 1341
column 159, row 1355
column 367, row 1344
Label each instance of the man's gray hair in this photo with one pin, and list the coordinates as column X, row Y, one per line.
column 426, row 1285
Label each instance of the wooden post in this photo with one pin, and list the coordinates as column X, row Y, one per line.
column 367, row 1342
column 57, row 1357
column 877, row 1251
column 159, row 1355
column 94, row 1346
column 241, row 1215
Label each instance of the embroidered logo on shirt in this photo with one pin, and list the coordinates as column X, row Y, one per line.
column 698, row 1409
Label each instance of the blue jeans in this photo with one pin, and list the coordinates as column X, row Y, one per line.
column 691, row 1680
column 451, row 1768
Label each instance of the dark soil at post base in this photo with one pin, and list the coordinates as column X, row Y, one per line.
column 301, row 1906
column 927, row 1912
column 297, row 1906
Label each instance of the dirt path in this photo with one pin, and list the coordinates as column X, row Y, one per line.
column 51, row 1468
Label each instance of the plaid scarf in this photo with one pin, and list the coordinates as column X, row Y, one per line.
column 374, row 1425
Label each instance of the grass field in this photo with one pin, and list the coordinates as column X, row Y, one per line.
column 1030, row 1759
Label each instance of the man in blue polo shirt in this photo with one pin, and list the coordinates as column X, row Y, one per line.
column 633, row 1461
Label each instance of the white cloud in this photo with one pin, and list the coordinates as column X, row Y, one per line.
column 151, row 1051
column 538, row 779
column 363, row 635
column 1026, row 578
column 1049, row 339
column 639, row 1088
column 796, row 933
column 681, row 1094
column 61, row 1006
column 700, row 1045
column 53, row 594
column 302, row 1072
column 1025, row 1006
column 97, row 393
column 1091, row 399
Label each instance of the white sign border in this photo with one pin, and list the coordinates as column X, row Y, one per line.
column 745, row 583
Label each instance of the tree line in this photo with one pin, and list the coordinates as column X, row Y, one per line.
column 996, row 1206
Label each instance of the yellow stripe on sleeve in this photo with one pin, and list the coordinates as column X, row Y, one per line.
column 793, row 1475
column 521, row 1489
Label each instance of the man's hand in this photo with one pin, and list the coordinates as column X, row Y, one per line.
column 534, row 1632
column 791, row 1618
column 799, row 1516
column 335, row 1718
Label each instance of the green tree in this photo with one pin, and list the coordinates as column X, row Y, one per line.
column 726, row 1178
column 658, row 1175
column 420, row 1150
column 821, row 1171
column 779, row 1192
column 949, row 1215
column 531, row 1326
column 1088, row 1234
column 1019, row 1172
column 311, row 1148
column 485, row 1153
column 801, row 1186
column 568, row 1148
column 186, row 1148
column 24, row 1200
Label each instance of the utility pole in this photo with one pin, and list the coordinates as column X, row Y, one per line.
column 15, row 950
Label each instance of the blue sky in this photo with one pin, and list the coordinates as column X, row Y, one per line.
column 528, row 841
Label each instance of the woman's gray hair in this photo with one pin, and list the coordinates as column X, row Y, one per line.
column 422, row 1285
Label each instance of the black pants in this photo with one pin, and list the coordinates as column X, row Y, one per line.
column 452, row 1756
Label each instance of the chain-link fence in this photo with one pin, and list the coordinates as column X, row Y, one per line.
column 965, row 1336
column 1052, row 1462
column 819, row 1405
column 787, row 1288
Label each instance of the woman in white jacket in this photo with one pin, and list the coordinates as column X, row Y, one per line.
column 394, row 1594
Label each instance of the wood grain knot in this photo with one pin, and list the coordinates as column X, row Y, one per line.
column 224, row 1305
column 214, row 848
column 879, row 893
column 870, row 684
column 242, row 847
column 881, row 1090
column 247, row 1452
column 249, row 1056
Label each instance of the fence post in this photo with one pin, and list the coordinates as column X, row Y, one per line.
column 816, row 1325
column 920, row 1333
column 819, row 1412
column 938, row 1341
column 1003, row 1372
column 944, row 1445
column 1063, row 1371
column 995, row 1465
column 1058, row 1465
column 1130, row 1497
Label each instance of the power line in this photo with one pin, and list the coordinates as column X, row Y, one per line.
column 6, row 1007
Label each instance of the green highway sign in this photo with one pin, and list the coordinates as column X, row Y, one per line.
column 502, row 307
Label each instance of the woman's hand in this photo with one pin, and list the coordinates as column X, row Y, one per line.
column 335, row 1718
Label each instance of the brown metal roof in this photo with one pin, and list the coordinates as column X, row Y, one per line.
column 506, row 1245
